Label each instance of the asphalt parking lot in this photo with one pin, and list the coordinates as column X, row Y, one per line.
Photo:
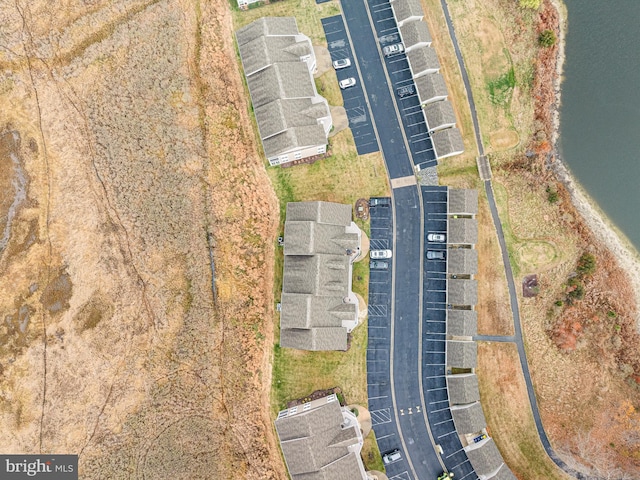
column 378, row 374
column 434, row 339
column 397, row 66
column 355, row 101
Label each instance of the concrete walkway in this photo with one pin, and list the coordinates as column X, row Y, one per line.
column 505, row 259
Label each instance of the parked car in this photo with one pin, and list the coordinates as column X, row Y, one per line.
column 436, row 237
column 347, row 82
column 436, row 255
column 382, row 201
column 380, row 253
column 392, row 456
column 378, row 265
column 392, row 37
column 406, row 91
column 341, row 63
column 394, row 49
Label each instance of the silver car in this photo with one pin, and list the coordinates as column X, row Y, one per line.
column 341, row 63
column 375, row 254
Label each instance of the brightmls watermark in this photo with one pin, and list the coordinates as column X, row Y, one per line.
column 46, row 467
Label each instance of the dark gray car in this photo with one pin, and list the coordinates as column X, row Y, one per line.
column 378, row 265
column 436, row 255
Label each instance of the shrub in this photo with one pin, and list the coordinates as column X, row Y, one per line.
column 534, row 4
column 576, row 289
column 586, row 265
column 547, row 38
column 559, row 303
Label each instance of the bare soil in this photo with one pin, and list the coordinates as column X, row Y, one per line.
column 138, row 149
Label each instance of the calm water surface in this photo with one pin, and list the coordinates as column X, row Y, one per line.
column 600, row 113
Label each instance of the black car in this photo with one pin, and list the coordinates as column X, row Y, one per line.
column 406, row 91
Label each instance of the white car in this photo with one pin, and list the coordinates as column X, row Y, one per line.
column 341, row 63
column 394, row 49
column 347, row 82
column 375, row 254
column 436, row 237
column 392, row 456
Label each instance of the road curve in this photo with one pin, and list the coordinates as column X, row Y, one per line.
column 507, row 265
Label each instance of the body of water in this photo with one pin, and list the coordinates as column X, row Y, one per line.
column 600, row 111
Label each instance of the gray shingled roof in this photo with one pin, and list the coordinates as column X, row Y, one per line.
column 439, row 115
column 322, row 275
column 415, row 33
column 447, row 142
column 294, row 138
column 316, row 277
column 462, row 261
column 503, row 474
column 461, row 354
column 315, row 444
column 462, row 291
column 307, row 311
column 281, row 80
column 267, row 26
column 463, row 388
column 263, row 51
column 431, row 87
column 282, row 114
column 485, row 458
column 463, row 201
column 462, row 323
column 407, row 9
column 468, row 418
column 321, row 212
column 423, row 60
column 463, row 231
column 315, row 339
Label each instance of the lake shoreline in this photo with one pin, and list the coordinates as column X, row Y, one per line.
column 600, row 225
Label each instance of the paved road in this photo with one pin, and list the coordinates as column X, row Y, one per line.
column 507, row 264
column 376, row 88
column 407, row 404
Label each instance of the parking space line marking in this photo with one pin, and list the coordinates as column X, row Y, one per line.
column 446, row 434
column 443, row 422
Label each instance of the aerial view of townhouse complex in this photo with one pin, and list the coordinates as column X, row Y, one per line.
column 427, row 272
column 306, row 240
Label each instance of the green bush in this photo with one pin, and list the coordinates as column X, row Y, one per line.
column 547, row 38
column 559, row 303
column 586, row 265
column 576, row 289
column 535, row 4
